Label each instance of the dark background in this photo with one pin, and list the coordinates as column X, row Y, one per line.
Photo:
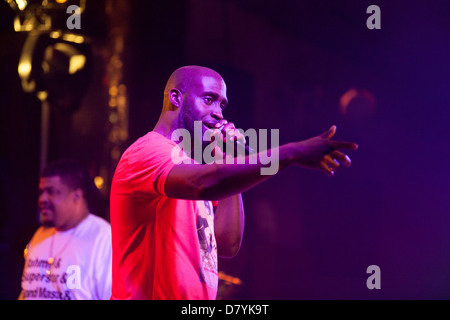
column 287, row 64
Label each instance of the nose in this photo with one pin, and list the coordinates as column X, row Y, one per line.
column 42, row 198
column 217, row 114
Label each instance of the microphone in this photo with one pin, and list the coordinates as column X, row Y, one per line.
column 242, row 148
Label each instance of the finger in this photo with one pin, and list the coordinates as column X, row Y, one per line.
column 344, row 145
column 331, row 163
column 341, row 158
column 326, row 169
column 329, row 133
column 228, row 127
column 222, row 127
column 228, row 131
column 236, row 135
column 215, row 134
column 232, row 134
column 221, row 123
column 217, row 153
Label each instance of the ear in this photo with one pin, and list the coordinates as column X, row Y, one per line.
column 175, row 97
column 78, row 194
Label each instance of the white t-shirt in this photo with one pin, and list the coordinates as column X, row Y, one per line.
column 81, row 265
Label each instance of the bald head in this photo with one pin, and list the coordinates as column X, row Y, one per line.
column 192, row 93
column 183, row 77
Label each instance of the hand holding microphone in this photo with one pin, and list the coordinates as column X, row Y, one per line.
column 230, row 134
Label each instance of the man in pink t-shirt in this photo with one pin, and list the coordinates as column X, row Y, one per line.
column 172, row 216
column 173, row 238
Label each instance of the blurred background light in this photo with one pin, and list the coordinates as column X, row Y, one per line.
column 357, row 103
column 99, row 182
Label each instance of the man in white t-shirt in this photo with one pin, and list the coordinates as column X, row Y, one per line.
column 69, row 256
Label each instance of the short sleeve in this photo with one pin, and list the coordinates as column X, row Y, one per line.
column 150, row 162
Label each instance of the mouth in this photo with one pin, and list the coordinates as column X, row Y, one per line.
column 208, row 126
column 211, row 126
column 45, row 211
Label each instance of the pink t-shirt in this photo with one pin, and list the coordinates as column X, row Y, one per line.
column 163, row 248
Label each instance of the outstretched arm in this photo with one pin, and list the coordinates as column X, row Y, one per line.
column 227, row 181
column 218, row 181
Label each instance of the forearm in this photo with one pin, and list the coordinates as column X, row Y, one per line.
column 229, row 220
column 218, row 181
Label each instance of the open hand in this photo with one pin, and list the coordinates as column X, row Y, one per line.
column 322, row 153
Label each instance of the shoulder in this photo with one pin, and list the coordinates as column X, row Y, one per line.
column 151, row 140
column 96, row 226
column 38, row 240
column 42, row 233
column 94, row 239
column 148, row 148
column 98, row 221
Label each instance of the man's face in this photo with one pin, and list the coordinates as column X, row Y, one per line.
column 56, row 202
column 203, row 100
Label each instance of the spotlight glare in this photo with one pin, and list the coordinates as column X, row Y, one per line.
column 21, row 4
column 70, row 37
column 42, row 95
column 99, row 182
column 55, row 34
column 24, row 68
column 76, row 63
